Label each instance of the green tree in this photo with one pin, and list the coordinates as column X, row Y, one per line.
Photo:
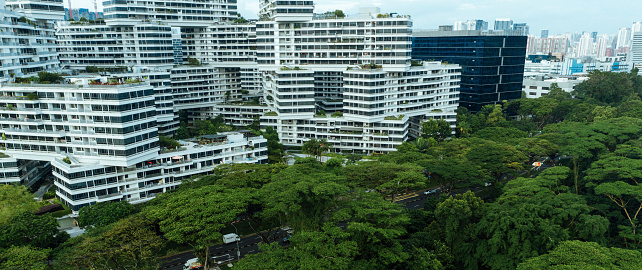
column 315, row 147
column 24, row 257
column 496, row 117
column 631, row 107
column 584, row 255
column 458, row 216
column 168, row 142
column 193, row 61
column 276, row 150
column 49, row 77
column 535, row 148
column 330, row 248
column 15, row 199
column 499, row 134
column 26, row 228
column 437, row 129
column 132, row 243
column 301, row 195
column 497, row 158
column 102, row 214
column 182, row 133
column 450, row 172
column 528, row 220
column 609, row 87
column 196, row 216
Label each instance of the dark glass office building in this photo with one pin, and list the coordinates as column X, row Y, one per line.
column 492, row 63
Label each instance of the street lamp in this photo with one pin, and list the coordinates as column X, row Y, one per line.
column 238, row 251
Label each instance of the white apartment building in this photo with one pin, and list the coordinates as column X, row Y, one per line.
column 101, row 137
column 137, row 50
column 636, row 50
column 347, row 80
column 538, row 86
column 27, row 43
column 163, row 37
column 183, row 13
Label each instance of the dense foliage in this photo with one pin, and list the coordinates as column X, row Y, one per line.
column 497, row 209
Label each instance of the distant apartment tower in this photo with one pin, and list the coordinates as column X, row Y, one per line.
column 636, row 27
column 623, row 38
column 636, row 50
column 446, row 28
column 492, row 65
column 544, row 33
column 521, row 28
column 471, row 25
column 503, row 24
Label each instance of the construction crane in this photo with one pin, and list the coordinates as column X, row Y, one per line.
column 71, row 13
column 95, row 10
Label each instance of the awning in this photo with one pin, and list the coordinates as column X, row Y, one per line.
column 177, row 157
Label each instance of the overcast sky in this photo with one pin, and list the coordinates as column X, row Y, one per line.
column 559, row 16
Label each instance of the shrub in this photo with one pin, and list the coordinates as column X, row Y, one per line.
column 49, row 77
column 91, row 69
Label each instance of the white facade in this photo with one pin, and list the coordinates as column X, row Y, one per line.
column 42, row 10
column 538, row 86
column 27, row 45
column 286, row 11
column 636, row 49
column 624, row 38
column 183, row 13
column 108, row 127
column 503, row 24
column 349, row 81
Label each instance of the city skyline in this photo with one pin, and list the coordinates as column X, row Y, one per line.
column 557, row 16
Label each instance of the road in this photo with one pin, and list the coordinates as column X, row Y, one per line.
column 249, row 244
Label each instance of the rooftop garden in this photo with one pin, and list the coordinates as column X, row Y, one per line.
column 394, row 118
column 371, row 66
column 42, row 78
column 193, row 61
column 294, row 68
column 414, row 63
column 116, row 81
column 93, row 69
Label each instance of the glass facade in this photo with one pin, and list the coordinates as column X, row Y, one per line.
column 492, row 66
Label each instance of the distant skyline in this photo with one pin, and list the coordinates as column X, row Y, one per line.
column 559, row 16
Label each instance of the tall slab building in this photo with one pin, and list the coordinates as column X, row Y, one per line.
column 492, row 64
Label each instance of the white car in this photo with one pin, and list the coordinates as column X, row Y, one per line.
column 431, row 191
